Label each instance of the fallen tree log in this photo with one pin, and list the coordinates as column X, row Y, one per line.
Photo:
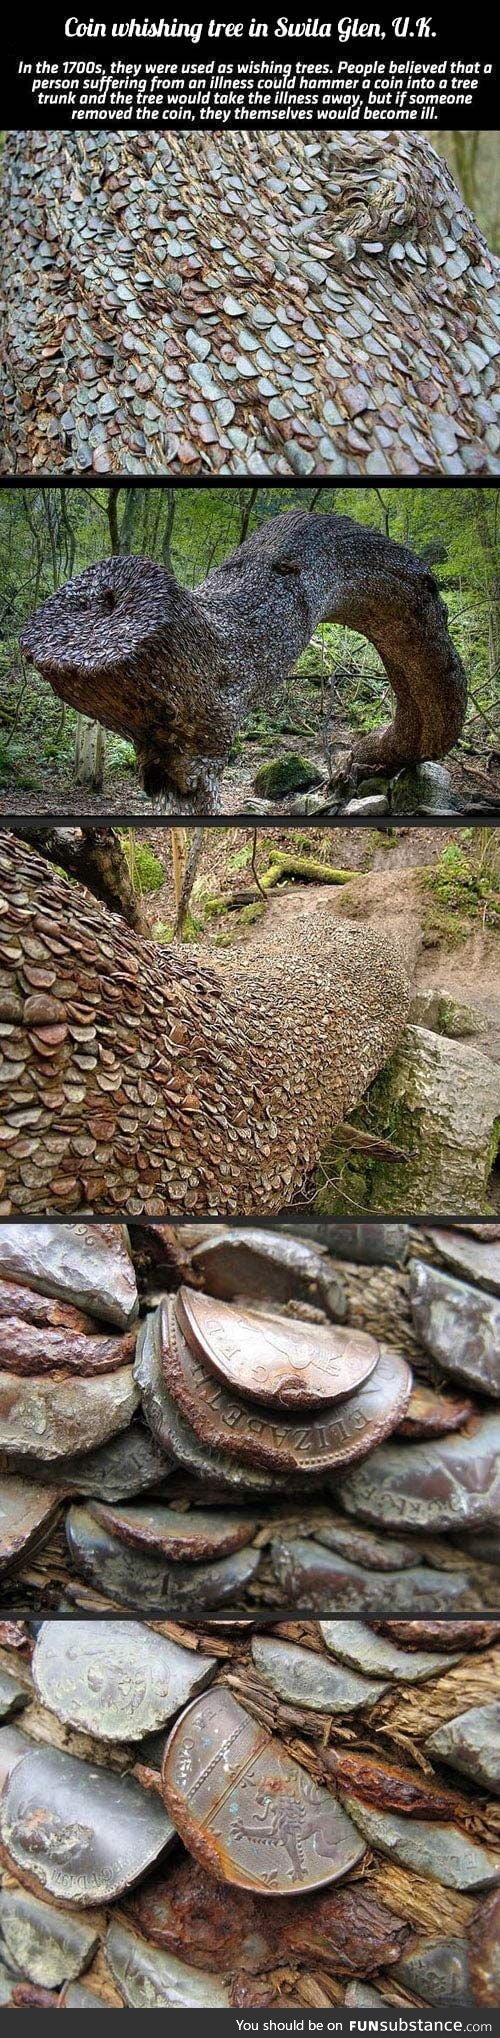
column 135, row 1079
column 177, row 670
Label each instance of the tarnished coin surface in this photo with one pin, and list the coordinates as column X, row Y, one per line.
column 53, row 1417
column 45, row 1943
column 80, row 1833
column 27, row 1348
column 148, row 1979
column 316, row 1580
column 116, row 1679
column 460, row 1325
column 443, row 1852
column 270, row 1266
column 484, row 1951
column 450, row 1484
column 430, row 1414
column 142, row 1578
column 176, row 1436
column 13, row 1696
column 188, row 1536
column 303, row 1677
column 471, row 1744
column 247, row 1811
column 89, row 1265
column 27, row 1514
column 284, row 1361
column 475, row 1259
column 313, row 1445
column 358, row 1645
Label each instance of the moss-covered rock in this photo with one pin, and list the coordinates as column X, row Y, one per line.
column 439, row 1100
column 285, row 775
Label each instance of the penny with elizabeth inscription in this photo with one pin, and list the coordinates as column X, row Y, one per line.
column 246, row 1809
column 313, row 1445
column 279, row 1360
column 79, row 1832
column 177, row 1437
column 115, row 1679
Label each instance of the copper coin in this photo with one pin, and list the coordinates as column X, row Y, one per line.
column 247, row 1811
column 177, row 1437
column 278, row 1360
column 178, row 1534
column 77, row 1832
column 115, row 1679
column 27, row 1515
column 312, row 1445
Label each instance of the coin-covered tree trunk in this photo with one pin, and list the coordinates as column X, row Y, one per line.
column 178, row 670
column 140, row 1080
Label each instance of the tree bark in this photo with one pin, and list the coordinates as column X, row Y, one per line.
column 177, row 670
column 175, row 1087
column 95, row 857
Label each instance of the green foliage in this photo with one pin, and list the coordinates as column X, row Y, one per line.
column 466, row 883
column 146, row 873
column 285, row 775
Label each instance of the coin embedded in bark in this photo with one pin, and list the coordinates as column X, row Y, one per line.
column 86, row 1264
column 471, row 1744
column 190, row 1536
column 26, row 1348
column 444, row 1485
column 342, row 1927
column 47, row 1945
column 484, row 1952
column 149, row 1980
column 13, row 1744
column 282, row 1361
column 447, row 1635
column 76, row 1996
column 12, row 1695
column 475, row 1259
column 176, row 1436
column 357, row 1645
column 314, row 1580
column 303, row 1677
column 80, row 1833
column 312, row 1445
column 52, row 1417
column 115, row 1679
column 27, row 1514
column 460, row 1325
column 128, row 1463
column 31, row 1307
column 432, row 1415
column 247, row 1811
column 438, row 1970
column 136, row 1578
column 442, row 1851
column 363, row 1546
column 270, row 1266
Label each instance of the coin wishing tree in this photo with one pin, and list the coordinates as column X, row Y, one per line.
column 177, row 670
column 140, row 1080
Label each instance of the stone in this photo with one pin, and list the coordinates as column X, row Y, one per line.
column 85, row 1264
column 285, row 1362
column 459, row 1325
column 356, row 1644
column 138, row 1579
column 304, row 1678
column 452, row 1483
column 76, row 1832
column 424, row 785
column 248, row 1812
column 115, row 1680
column 192, row 1534
column 47, row 1945
column 27, row 1515
column 471, row 1744
column 376, row 803
column 442, row 1852
column 150, row 1980
column 55, row 1417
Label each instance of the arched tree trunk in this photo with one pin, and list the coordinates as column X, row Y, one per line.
column 177, row 671
column 146, row 1082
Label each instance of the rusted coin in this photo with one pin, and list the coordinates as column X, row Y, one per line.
column 460, row 1325
column 115, row 1679
column 139, row 1578
column 176, row 1436
column 31, row 1307
column 452, row 1483
column 344, row 1929
column 80, row 1833
column 484, row 1952
column 280, row 1361
column 53, row 1417
column 247, row 1811
column 446, row 1635
column 315, row 1580
column 432, row 1415
column 27, row 1514
column 314, row 1445
column 86, row 1264
column 190, row 1536
column 27, row 1348
column 270, row 1266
